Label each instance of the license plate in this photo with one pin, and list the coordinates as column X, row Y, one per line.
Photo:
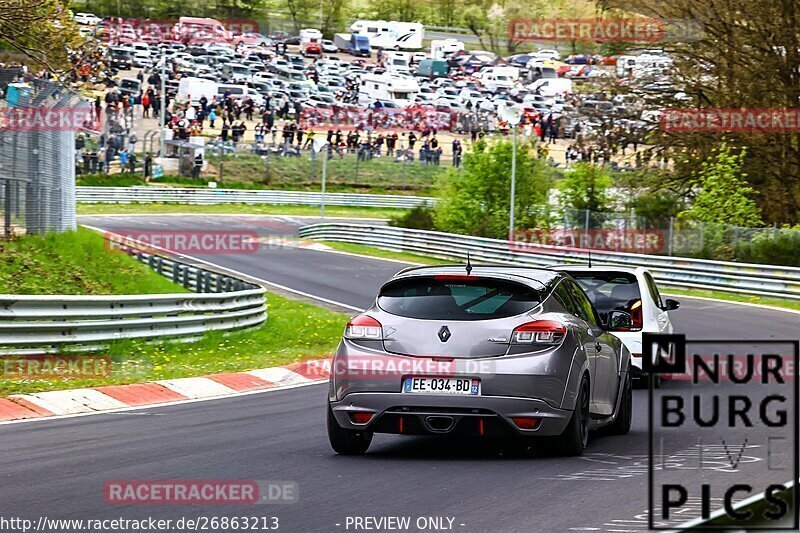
column 466, row 386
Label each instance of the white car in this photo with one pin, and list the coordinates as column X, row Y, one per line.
column 629, row 289
column 550, row 54
column 86, row 19
column 142, row 60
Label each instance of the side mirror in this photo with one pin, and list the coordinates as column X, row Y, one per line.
column 619, row 321
column 671, row 305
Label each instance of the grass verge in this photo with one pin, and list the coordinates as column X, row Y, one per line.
column 238, row 209
column 294, row 331
column 75, row 262
column 426, row 260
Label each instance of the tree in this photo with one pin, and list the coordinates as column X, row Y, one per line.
column 736, row 54
column 585, row 187
column 722, row 193
column 41, row 30
column 476, row 199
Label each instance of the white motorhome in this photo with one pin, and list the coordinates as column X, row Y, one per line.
column 391, row 35
column 402, row 90
column 193, row 89
column 443, row 48
column 397, row 62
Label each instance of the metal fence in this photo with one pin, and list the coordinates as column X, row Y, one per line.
column 127, row 195
column 32, row 325
column 762, row 280
column 670, row 236
column 37, row 162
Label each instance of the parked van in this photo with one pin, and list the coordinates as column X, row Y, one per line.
column 551, row 86
column 193, row 89
column 432, row 68
column 494, row 78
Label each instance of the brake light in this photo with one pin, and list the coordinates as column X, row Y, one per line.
column 539, row 332
column 637, row 320
column 363, row 327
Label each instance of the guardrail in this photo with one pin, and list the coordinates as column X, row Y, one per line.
column 32, row 325
column 198, row 196
column 742, row 278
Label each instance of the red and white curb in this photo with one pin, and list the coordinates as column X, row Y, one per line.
column 115, row 397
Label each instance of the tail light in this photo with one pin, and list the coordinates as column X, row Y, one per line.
column 364, row 327
column 637, row 321
column 546, row 332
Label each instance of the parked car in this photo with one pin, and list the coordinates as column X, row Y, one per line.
column 491, row 351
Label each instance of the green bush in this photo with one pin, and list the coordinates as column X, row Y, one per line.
column 782, row 248
column 420, row 217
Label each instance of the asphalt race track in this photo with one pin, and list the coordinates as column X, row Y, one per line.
column 57, row 468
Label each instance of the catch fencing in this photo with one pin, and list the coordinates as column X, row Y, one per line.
column 37, row 159
column 31, row 325
column 761, row 280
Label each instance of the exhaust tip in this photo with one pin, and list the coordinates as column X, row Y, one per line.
column 440, row 424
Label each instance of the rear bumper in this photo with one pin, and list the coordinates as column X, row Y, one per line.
column 430, row 414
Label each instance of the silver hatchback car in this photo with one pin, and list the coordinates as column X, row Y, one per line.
column 485, row 352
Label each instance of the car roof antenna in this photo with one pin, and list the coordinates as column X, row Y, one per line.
column 590, row 258
column 469, row 265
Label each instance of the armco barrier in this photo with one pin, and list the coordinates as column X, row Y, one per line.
column 44, row 324
column 743, row 278
column 145, row 195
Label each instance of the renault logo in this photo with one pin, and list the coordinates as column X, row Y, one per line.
column 444, row 334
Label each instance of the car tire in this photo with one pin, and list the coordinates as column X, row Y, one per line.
column 622, row 424
column 346, row 441
column 574, row 439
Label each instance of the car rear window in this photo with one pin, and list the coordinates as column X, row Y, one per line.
column 457, row 298
column 609, row 291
